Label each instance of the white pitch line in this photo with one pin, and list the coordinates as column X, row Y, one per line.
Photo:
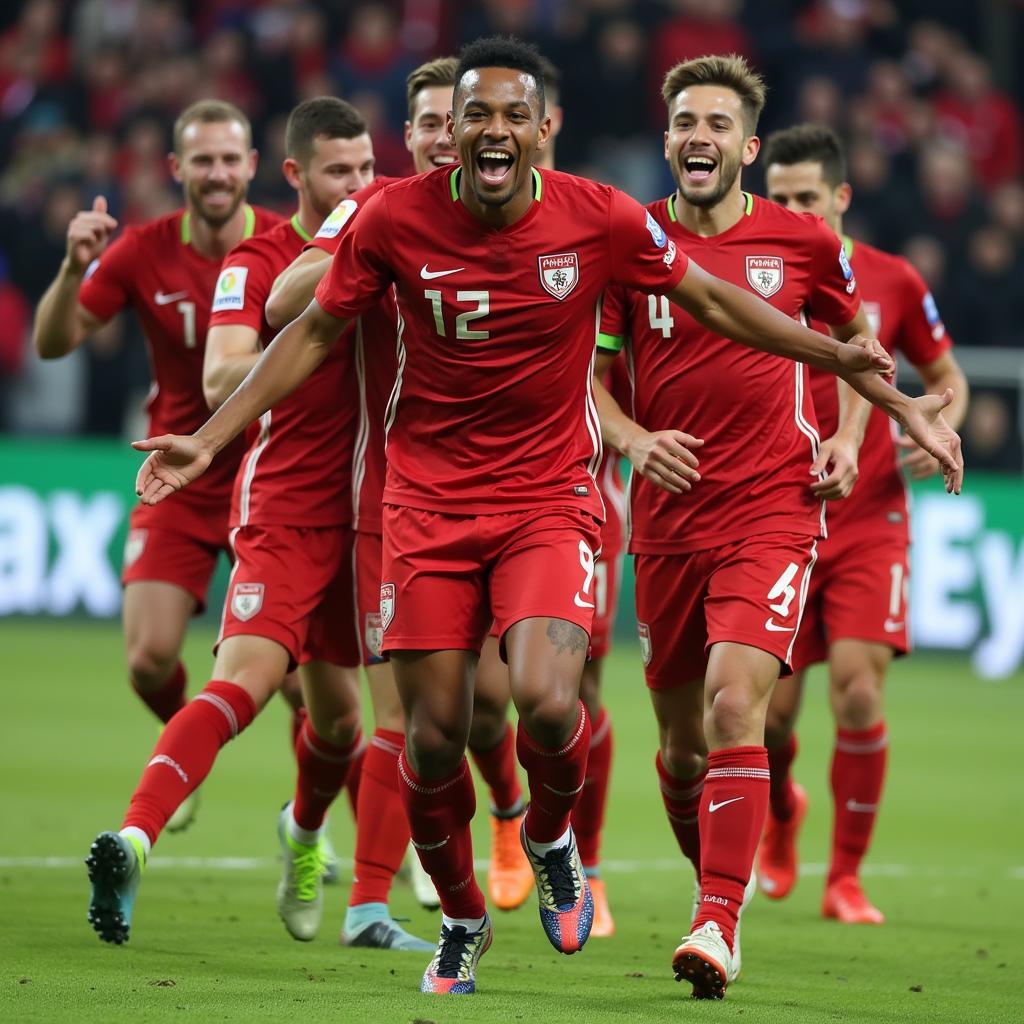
column 615, row 867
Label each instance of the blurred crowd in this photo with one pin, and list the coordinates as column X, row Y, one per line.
column 927, row 94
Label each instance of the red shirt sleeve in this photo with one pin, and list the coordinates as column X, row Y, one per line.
column 834, row 298
column 241, row 291
column 106, row 288
column 921, row 335
column 641, row 253
column 359, row 273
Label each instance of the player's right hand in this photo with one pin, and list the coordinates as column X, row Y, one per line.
column 176, row 461
column 860, row 354
column 88, row 234
column 664, row 457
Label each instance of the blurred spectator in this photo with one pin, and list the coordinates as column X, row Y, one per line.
column 15, row 319
column 991, row 440
column 987, row 297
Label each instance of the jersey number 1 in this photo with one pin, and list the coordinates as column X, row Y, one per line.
column 188, row 316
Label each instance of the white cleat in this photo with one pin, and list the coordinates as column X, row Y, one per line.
column 704, row 960
column 185, row 815
column 422, row 885
column 300, row 893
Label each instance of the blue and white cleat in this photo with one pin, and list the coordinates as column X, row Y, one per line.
column 115, row 872
column 563, row 892
column 370, row 925
column 453, row 969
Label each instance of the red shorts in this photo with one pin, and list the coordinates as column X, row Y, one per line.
column 607, row 581
column 174, row 543
column 294, row 585
column 858, row 592
column 749, row 592
column 367, row 557
column 445, row 578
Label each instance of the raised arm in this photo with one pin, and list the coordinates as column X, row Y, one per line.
column 294, row 287
column 937, row 376
column 292, row 356
column 231, row 352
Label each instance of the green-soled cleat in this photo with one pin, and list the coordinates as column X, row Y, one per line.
column 115, row 870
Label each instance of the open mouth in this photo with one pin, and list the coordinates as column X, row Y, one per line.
column 699, row 168
column 494, row 165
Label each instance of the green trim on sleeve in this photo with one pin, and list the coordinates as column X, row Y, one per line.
column 453, row 181
column 610, row 342
column 250, row 223
column 186, row 228
column 300, row 230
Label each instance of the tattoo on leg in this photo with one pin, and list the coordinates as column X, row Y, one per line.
column 567, row 636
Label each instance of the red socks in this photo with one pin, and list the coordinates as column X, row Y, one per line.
column 497, row 768
column 555, row 776
column 354, row 777
column 858, row 773
column 732, row 813
column 323, row 768
column 185, row 753
column 166, row 702
column 682, row 805
column 382, row 831
column 439, row 813
column 780, row 792
column 588, row 816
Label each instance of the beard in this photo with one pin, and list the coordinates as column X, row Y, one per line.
column 215, row 218
column 728, row 169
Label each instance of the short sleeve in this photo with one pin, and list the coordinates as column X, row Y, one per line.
column 359, row 273
column 834, row 298
column 242, row 288
column 612, row 327
column 921, row 335
column 106, row 288
column 641, row 253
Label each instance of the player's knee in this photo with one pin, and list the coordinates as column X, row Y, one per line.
column 859, row 701
column 682, row 760
column 150, row 665
column 549, row 718
column 339, row 729
column 436, row 750
column 729, row 720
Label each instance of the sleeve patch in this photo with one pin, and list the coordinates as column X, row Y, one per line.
column 657, row 231
column 230, row 290
column 91, row 269
column 337, row 218
column 844, row 264
column 931, row 314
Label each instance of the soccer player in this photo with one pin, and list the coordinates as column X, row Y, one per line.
column 166, row 270
column 722, row 568
column 855, row 616
column 490, row 505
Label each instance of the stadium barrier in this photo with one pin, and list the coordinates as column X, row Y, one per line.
column 64, row 507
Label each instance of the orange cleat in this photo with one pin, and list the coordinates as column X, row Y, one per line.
column 777, row 857
column 604, row 924
column 845, row 901
column 509, row 877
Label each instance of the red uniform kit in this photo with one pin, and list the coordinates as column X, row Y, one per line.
column 491, row 507
column 291, row 514
column 859, row 587
column 155, row 269
column 731, row 560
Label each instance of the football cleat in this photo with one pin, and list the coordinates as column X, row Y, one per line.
column 566, row 904
column 300, row 893
column 704, row 961
column 453, row 969
column 509, row 876
column 422, row 884
column 185, row 814
column 604, row 924
column 777, row 857
column 845, row 901
column 748, row 895
column 115, row 872
column 332, row 862
column 369, row 925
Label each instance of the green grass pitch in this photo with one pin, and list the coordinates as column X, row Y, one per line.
column 947, row 867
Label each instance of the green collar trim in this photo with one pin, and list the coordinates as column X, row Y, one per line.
column 748, row 209
column 538, row 184
column 748, row 206
column 247, row 231
column 300, row 230
column 848, row 246
column 453, row 181
column 672, row 208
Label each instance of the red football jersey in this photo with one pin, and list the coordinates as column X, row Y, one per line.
column 376, row 362
column 751, row 408
column 905, row 319
column 492, row 408
column 298, row 470
column 154, row 269
column 609, row 476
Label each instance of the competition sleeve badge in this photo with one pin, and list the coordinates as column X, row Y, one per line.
column 373, row 634
column 246, row 600
column 644, row 633
column 559, row 273
column 387, row 605
column 765, row 274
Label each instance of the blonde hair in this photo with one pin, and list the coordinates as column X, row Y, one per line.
column 731, row 72
column 210, row 112
column 440, row 71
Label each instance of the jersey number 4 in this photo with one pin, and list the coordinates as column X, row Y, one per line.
column 462, row 329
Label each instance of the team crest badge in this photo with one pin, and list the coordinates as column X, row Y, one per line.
column 133, row 545
column 373, row 634
column 387, row 606
column 246, row 600
column 765, row 274
column 644, row 632
column 559, row 273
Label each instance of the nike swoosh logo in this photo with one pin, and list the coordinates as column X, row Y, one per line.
column 852, row 805
column 892, row 627
column 161, row 300
column 429, row 275
column 712, row 807
column 772, row 627
column 579, row 602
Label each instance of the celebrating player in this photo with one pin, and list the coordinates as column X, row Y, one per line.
column 166, row 270
column 855, row 616
column 722, row 569
column 491, row 510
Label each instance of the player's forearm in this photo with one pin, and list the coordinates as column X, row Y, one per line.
column 617, row 429
column 292, row 291
column 854, row 413
column 879, row 392
column 221, row 380
column 56, row 330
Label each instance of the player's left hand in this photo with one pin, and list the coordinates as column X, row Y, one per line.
column 916, row 462
column 176, row 461
column 837, row 455
column 860, row 354
column 926, row 425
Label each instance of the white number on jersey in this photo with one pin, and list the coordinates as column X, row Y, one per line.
column 462, row 330
column 661, row 315
column 188, row 316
